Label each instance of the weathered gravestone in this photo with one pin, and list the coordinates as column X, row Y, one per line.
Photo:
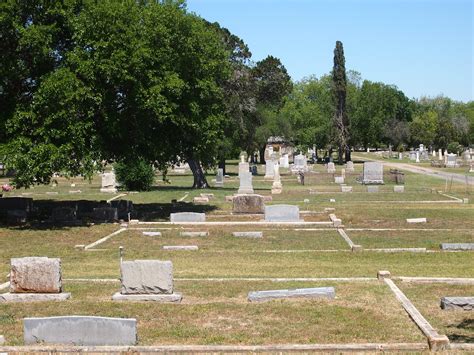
column 331, row 168
column 457, row 246
column 219, row 178
column 246, row 186
column 373, row 173
column 247, row 234
column 249, row 203
column 282, row 213
column 458, row 303
column 318, row 292
column 451, row 161
column 244, row 167
column 147, row 280
column 187, row 217
column 399, row 188
column 80, row 330
column 350, row 166
column 372, row 188
column 284, row 161
column 277, row 186
column 269, row 169
column 339, row 179
column 35, row 279
column 109, row 183
column 300, row 163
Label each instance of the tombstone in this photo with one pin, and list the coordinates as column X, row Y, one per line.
column 152, row 234
column 457, row 246
column 199, row 200
column 400, row 156
column 412, row 155
column 399, row 188
column 80, row 330
column 339, row 179
column 373, row 173
column 105, row 214
column 187, row 217
column 219, row 178
column 269, row 169
column 300, row 163
column 372, row 189
column 433, row 153
column 466, row 157
column 193, row 234
column 284, row 161
column 244, row 167
column 346, row 189
column 458, row 303
column 451, row 161
column 350, row 166
column 471, row 167
column 417, row 160
column 147, row 280
column 181, row 247
column 282, row 213
column 331, row 168
column 246, row 186
column 248, row 203
column 421, row 148
column 254, row 170
column 247, row 234
column 35, row 279
column 318, row 292
column 109, row 184
column 424, row 155
column 440, row 153
column 343, row 173
column 276, row 186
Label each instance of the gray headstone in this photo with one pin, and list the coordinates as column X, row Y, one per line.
column 152, row 234
column 451, row 161
column 243, row 168
column 181, row 247
column 458, row 303
column 80, row 330
column 146, row 276
column 246, row 186
column 193, row 234
column 373, row 173
column 109, row 183
column 350, row 166
column 35, row 275
column 319, row 292
column 282, row 213
column 248, row 234
column 187, row 217
column 269, row 169
column 457, row 246
column 399, row 188
column 331, row 168
column 249, row 203
column 220, row 178
column 372, row 188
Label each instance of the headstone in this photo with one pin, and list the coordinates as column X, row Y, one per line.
column 457, row 246
column 35, row 275
column 246, row 186
column 440, row 153
column 372, row 188
column 219, row 178
column 254, row 170
column 412, row 155
column 300, row 163
column 400, row 156
column 249, row 203
column 284, row 161
column 193, row 234
column 399, row 188
column 416, row 220
column 282, row 213
column 373, row 173
column 343, row 173
column 198, row 200
column 109, row 184
column 339, row 179
column 345, row 188
column 421, row 148
column 80, row 330
column 350, row 166
column 152, row 234
column 187, row 217
column 331, row 168
column 458, row 303
column 248, row 234
column 105, row 214
column 181, row 247
column 269, row 169
column 276, row 186
column 451, row 161
column 319, row 292
column 244, row 167
column 147, row 280
column 417, row 160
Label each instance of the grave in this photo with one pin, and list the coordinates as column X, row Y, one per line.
column 300, row 163
column 339, row 179
column 284, row 161
column 80, row 330
column 35, row 279
column 345, row 188
column 337, row 222
column 399, row 188
column 372, row 188
column 199, row 200
column 247, row 234
column 457, row 246
column 282, row 213
column 318, row 292
column 246, row 186
column 187, row 217
column 220, row 178
column 331, row 168
column 152, row 234
column 248, row 203
column 457, row 303
column 373, row 173
column 181, row 247
column 193, row 234
column 269, row 169
column 416, row 220
column 451, row 160
column 147, row 280
column 244, row 167
column 350, row 167
column 109, row 184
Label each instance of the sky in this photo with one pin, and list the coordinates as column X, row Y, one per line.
column 424, row 47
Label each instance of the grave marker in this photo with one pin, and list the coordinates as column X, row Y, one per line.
column 373, row 173
column 282, row 213
column 187, row 217
column 319, row 292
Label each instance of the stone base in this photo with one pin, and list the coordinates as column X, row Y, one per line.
column 161, row 298
column 34, row 297
column 109, row 190
column 437, row 343
column 245, row 191
column 319, row 292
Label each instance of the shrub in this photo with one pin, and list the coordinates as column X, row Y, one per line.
column 135, row 175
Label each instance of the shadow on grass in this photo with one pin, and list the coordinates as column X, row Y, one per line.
column 467, row 324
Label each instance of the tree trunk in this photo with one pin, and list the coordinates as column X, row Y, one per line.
column 200, row 181
column 262, row 154
column 348, row 154
column 340, row 152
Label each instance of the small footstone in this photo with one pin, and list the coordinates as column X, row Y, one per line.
column 33, row 297
column 372, row 189
column 346, row 188
column 248, row 234
column 458, row 303
column 306, row 200
column 416, row 220
column 357, row 247
column 457, row 246
column 193, row 234
column 332, row 200
column 163, row 298
column 180, row 247
column 383, row 274
column 2, row 340
column 152, row 234
column 399, row 188
column 319, row 292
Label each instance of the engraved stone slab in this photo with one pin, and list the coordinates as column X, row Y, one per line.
column 282, row 213
column 200, row 200
column 35, row 275
column 243, row 168
column 80, row 330
column 346, row 188
column 109, row 184
column 193, row 234
column 458, row 303
column 372, row 189
column 180, row 247
column 187, row 217
column 152, row 234
column 339, row 179
column 146, row 276
column 248, row 203
column 160, row 298
column 416, row 220
column 319, row 292
column 373, row 173
column 457, row 246
column 248, row 234
column 399, row 188
column 219, row 178
column 34, row 297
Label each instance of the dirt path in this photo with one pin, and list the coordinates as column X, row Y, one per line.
column 426, row 171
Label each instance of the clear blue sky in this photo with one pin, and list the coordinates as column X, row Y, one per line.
column 425, row 47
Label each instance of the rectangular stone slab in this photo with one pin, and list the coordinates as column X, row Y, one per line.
column 152, row 234
column 80, row 330
column 180, row 247
column 193, row 234
column 458, row 303
column 187, row 217
column 248, row 234
column 373, row 173
column 35, row 275
column 248, row 203
column 457, row 246
column 33, row 297
column 146, row 276
column 372, row 189
column 416, row 220
column 319, row 292
column 282, row 213
column 164, row 298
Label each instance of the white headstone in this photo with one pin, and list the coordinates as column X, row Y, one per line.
column 282, row 213
column 276, row 187
column 451, row 161
column 220, row 178
column 269, row 169
column 146, row 277
column 109, row 184
column 284, row 162
column 331, row 168
column 417, row 157
column 440, row 154
column 350, row 166
column 243, row 167
column 373, row 173
column 246, row 186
